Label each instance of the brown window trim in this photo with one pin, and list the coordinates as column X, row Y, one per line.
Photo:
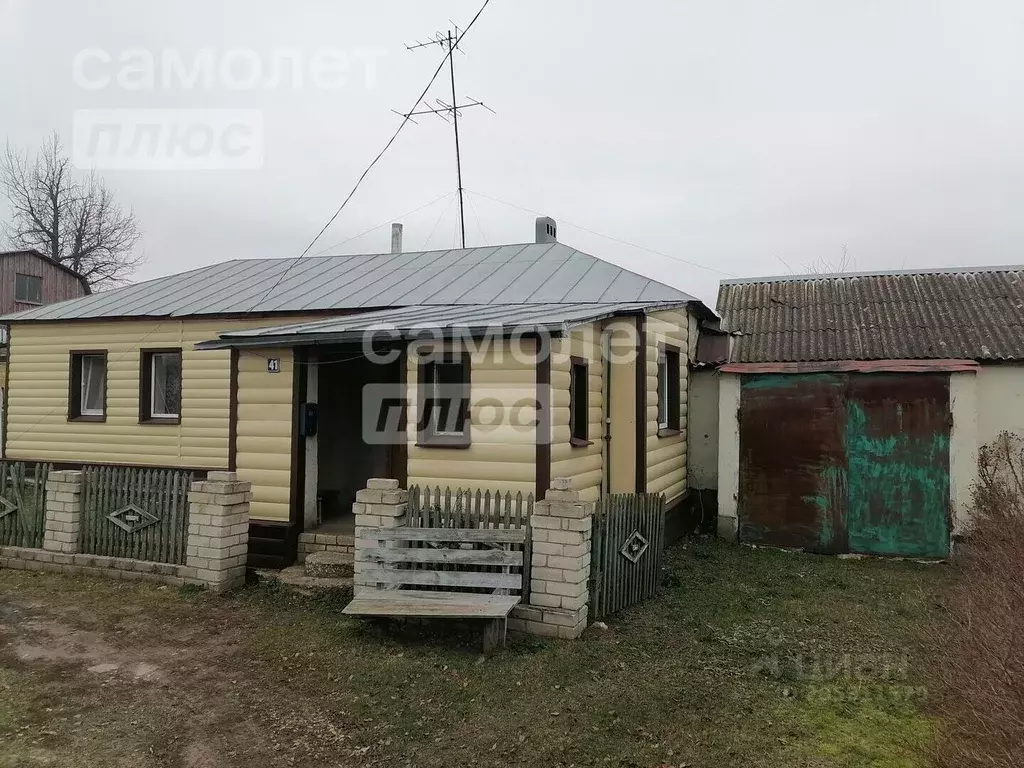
column 75, row 385
column 574, row 441
column 425, row 438
column 146, row 384
column 674, row 403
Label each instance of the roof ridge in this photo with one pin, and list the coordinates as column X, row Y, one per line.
column 880, row 273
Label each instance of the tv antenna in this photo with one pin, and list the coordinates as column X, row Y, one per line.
column 449, row 112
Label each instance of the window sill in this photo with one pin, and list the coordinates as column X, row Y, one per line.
column 26, row 301
column 668, row 432
column 161, row 420
column 579, row 442
column 88, row 417
column 443, row 441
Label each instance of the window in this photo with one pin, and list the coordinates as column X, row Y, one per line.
column 579, row 405
column 87, row 386
column 28, row 289
column 444, row 402
column 668, row 391
column 160, row 385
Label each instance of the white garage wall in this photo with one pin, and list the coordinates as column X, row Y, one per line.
column 1000, row 401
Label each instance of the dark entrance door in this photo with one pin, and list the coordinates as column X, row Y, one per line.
column 846, row 462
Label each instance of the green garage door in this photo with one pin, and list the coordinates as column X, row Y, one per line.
column 846, row 462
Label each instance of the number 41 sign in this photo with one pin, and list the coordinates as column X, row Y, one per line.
column 273, row 365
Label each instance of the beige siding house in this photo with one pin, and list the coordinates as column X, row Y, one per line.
column 485, row 368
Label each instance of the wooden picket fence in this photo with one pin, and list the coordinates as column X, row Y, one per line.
column 137, row 513
column 465, row 508
column 628, row 540
column 23, row 503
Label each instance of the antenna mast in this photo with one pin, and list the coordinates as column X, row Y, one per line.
column 449, row 42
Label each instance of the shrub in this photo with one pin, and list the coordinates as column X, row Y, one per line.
column 978, row 674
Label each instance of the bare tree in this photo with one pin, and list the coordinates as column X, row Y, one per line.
column 826, row 266
column 70, row 218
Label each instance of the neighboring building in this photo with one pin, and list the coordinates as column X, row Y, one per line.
column 852, row 406
column 28, row 280
column 264, row 367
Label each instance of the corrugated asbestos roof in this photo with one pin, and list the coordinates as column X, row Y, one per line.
column 410, row 322
column 507, row 274
column 973, row 314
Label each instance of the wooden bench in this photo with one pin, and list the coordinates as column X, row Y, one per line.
column 401, row 571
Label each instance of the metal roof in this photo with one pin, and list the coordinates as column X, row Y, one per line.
column 975, row 313
column 431, row 322
column 508, row 274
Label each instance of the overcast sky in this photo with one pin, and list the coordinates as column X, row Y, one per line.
column 753, row 138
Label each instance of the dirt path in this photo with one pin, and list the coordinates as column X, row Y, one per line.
column 98, row 682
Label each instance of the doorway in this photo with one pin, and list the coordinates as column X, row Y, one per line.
column 357, row 435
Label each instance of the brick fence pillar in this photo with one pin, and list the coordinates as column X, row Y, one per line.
column 218, row 530
column 63, row 515
column 561, row 528
column 382, row 504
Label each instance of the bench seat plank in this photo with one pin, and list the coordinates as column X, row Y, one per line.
column 386, row 555
column 442, row 578
column 480, row 535
column 442, row 605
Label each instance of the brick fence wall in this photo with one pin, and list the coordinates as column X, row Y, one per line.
column 218, row 537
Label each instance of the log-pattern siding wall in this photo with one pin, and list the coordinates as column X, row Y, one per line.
column 38, row 428
column 666, row 456
column 264, row 441
column 57, row 284
column 585, row 464
column 502, row 454
column 622, row 410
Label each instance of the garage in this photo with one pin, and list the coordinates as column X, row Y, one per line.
column 839, row 462
column 852, row 409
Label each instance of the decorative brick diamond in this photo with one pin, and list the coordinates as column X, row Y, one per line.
column 7, row 507
column 634, row 547
column 132, row 518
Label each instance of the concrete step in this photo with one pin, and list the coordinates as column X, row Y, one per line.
column 329, row 565
column 296, row 578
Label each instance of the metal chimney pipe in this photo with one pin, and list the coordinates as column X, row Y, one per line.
column 396, row 238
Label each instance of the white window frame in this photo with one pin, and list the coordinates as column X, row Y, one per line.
column 663, row 390
column 435, row 391
column 153, row 412
column 83, row 408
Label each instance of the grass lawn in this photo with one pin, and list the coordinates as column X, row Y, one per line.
column 746, row 658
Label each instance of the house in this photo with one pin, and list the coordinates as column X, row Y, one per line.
column 492, row 368
column 851, row 407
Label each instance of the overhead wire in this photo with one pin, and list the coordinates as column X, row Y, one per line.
column 607, row 237
column 134, row 348
column 373, row 163
column 383, row 224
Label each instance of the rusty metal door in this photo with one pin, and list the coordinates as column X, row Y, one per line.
column 791, row 452
column 897, row 455
column 845, row 462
